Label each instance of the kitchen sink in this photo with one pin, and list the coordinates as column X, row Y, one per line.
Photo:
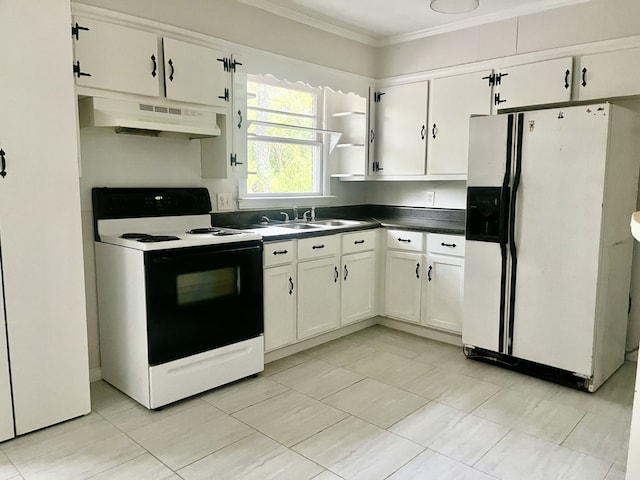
column 335, row 223
column 299, row 226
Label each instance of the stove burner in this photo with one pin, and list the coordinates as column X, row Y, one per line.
column 134, row 235
column 196, row 231
column 157, row 238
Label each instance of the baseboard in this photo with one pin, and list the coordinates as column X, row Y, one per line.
column 422, row 331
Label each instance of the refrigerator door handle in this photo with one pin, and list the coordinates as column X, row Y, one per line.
column 513, row 252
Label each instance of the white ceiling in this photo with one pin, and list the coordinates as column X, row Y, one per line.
column 383, row 22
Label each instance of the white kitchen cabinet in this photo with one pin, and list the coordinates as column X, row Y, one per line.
column 279, row 306
column 401, row 130
column 6, row 404
column 195, row 74
column 225, row 156
column 113, row 57
column 403, row 285
column 358, row 276
column 452, row 101
column 609, row 74
column 318, row 296
column 444, row 282
column 41, row 245
column 538, row 83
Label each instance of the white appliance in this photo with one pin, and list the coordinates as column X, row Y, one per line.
column 548, row 248
column 180, row 305
column 148, row 117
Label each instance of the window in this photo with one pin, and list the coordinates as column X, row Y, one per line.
column 284, row 140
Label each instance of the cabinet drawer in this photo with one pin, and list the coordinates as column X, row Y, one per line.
column 279, row 253
column 404, row 240
column 318, row 247
column 359, row 241
column 445, row 244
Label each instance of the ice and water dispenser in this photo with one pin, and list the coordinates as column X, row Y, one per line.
column 487, row 214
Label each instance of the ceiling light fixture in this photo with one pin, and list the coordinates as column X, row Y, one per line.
column 454, row 6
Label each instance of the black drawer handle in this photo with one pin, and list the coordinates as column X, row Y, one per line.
column 3, row 164
column 336, row 274
column 358, row 242
column 434, row 130
column 429, row 272
column 173, row 70
column 407, row 240
column 452, row 245
column 584, row 77
column 281, row 252
column 346, row 272
column 155, row 66
column 315, row 247
column 566, row 78
column 290, row 285
column 422, row 132
column 418, row 270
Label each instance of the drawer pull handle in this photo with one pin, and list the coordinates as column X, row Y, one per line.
column 315, row 247
column 290, row 286
column 336, row 274
column 418, row 270
column 452, row 245
column 408, row 240
column 280, row 252
column 358, row 242
column 429, row 272
column 346, row 272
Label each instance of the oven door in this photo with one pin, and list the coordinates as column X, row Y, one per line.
column 202, row 298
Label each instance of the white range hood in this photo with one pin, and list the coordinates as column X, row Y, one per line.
column 147, row 118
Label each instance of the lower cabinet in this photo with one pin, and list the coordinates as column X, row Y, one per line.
column 358, row 287
column 279, row 306
column 318, row 296
column 403, row 291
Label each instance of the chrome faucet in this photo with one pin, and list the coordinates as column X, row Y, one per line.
column 295, row 213
column 304, row 215
column 286, row 216
column 264, row 219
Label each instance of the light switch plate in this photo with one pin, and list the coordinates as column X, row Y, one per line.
column 430, row 199
column 224, row 202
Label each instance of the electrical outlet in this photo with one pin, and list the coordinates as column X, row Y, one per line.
column 224, row 202
column 431, row 199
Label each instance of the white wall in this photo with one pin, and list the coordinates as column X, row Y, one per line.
column 414, row 194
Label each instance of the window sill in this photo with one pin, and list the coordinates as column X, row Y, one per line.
column 249, row 203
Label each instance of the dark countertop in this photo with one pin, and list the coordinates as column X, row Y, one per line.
column 432, row 220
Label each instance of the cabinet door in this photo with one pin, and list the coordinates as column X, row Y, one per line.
column 6, row 412
column 43, row 276
column 609, row 74
column 116, row 58
column 444, row 292
column 279, row 306
column 403, row 286
column 537, row 83
column 358, row 287
column 402, row 129
column 318, row 296
column 452, row 101
column 239, row 122
column 195, row 74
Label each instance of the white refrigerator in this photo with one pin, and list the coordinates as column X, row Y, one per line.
column 548, row 247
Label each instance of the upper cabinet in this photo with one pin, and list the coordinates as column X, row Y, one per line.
column 452, row 100
column 609, row 74
column 195, row 74
column 113, row 57
column 400, row 131
column 123, row 59
column 537, row 83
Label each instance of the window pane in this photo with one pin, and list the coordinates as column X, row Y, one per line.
column 281, row 131
column 279, row 98
column 281, row 167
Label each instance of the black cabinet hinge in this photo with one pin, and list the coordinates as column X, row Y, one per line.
column 75, row 30
column 495, row 78
column 377, row 96
column 234, row 160
column 233, row 63
column 499, row 77
column 224, row 97
column 226, row 63
column 497, row 100
column 78, row 72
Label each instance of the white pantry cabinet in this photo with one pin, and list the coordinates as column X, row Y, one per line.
column 452, row 101
column 444, row 282
column 280, row 292
column 113, row 57
column 609, row 74
column 536, row 83
column 401, row 129
column 41, row 245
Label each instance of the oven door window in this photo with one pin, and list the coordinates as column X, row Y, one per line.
column 202, row 298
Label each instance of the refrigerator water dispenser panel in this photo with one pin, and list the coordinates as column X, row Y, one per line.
column 486, row 212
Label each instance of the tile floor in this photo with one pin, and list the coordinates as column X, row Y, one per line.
column 376, row 404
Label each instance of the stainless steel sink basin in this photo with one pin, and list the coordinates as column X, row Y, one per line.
column 298, row 226
column 335, row 223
